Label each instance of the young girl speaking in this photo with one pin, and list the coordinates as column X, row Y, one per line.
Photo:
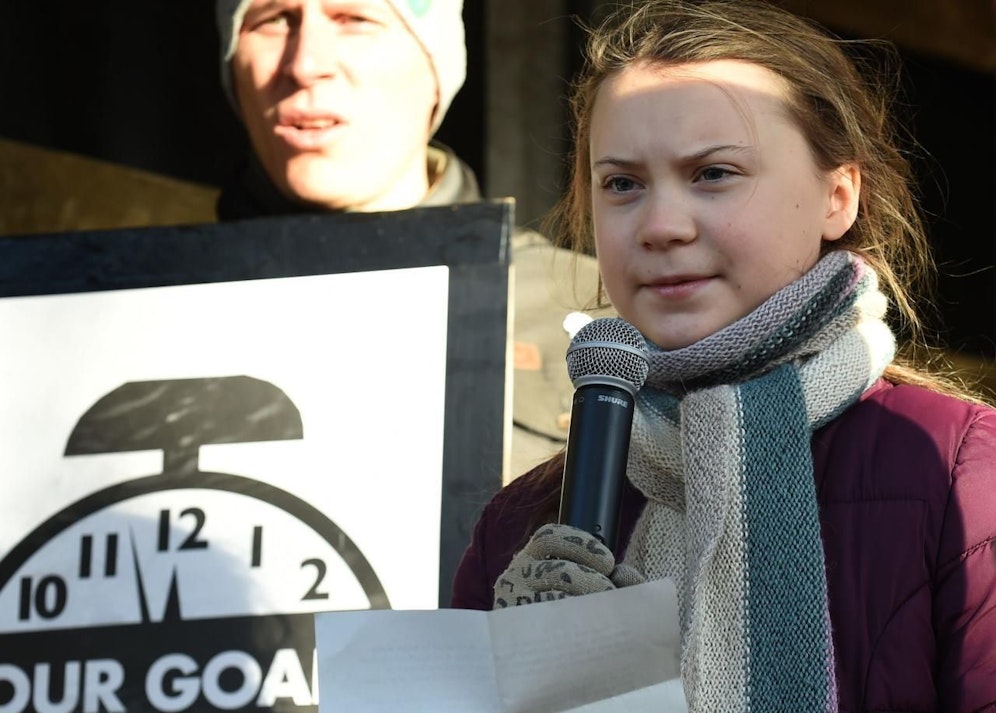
column 828, row 515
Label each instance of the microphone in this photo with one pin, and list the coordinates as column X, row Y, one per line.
column 608, row 363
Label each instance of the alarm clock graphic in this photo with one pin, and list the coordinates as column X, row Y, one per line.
column 171, row 564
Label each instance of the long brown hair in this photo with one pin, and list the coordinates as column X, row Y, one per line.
column 840, row 96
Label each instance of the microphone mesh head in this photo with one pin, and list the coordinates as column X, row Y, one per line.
column 608, row 347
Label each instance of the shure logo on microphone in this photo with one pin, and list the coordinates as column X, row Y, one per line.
column 613, row 400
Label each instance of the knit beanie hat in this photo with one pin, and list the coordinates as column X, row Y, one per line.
column 436, row 24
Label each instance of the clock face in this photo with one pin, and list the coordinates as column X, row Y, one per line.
column 160, row 549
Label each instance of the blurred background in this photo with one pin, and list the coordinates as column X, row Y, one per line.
column 111, row 115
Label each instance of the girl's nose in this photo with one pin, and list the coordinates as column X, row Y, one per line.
column 666, row 220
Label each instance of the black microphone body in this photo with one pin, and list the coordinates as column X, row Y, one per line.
column 597, row 449
column 607, row 363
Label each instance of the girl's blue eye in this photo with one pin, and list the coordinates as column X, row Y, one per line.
column 619, row 184
column 713, row 173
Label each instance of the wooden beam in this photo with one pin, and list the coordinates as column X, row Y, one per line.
column 962, row 31
column 47, row 191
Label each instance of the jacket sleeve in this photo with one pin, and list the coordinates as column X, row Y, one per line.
column 965, row 585
column 471, row 586
column 502, row 530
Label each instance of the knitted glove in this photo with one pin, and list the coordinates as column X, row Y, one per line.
column 560, row 561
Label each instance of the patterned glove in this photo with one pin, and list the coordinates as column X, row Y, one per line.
column 560, row 561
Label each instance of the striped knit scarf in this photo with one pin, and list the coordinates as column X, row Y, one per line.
column 721, row 449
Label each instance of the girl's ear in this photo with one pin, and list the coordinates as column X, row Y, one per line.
column 842, row 207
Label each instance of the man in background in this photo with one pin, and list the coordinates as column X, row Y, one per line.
column 340, row 100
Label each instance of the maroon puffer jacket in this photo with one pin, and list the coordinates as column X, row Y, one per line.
column 906, row 481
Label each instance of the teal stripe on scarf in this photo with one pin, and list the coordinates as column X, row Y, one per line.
column 787, row 632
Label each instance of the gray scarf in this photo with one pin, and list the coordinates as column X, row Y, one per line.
column 721, row 449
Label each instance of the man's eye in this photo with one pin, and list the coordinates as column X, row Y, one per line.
column 354, row 19
column 273, row 23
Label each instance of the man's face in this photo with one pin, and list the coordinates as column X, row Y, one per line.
column 337, row 98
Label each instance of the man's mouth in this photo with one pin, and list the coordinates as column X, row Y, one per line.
column 312, row 124
column 307, row 131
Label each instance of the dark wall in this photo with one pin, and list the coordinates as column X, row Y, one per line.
column 953, row 116
column 130, row 82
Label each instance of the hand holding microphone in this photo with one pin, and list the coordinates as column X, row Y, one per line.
column 607, row 363
column 558, row 561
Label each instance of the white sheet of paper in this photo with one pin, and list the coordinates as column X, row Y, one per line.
column 607, row 652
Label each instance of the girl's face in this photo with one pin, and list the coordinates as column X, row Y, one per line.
column 706, row 199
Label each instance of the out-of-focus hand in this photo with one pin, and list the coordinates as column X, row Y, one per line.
column 560, row 561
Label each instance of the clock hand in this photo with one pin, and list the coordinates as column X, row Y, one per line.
column 171, row 612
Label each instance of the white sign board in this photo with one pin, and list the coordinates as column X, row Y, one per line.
column 135, row 546
column 209, row 433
